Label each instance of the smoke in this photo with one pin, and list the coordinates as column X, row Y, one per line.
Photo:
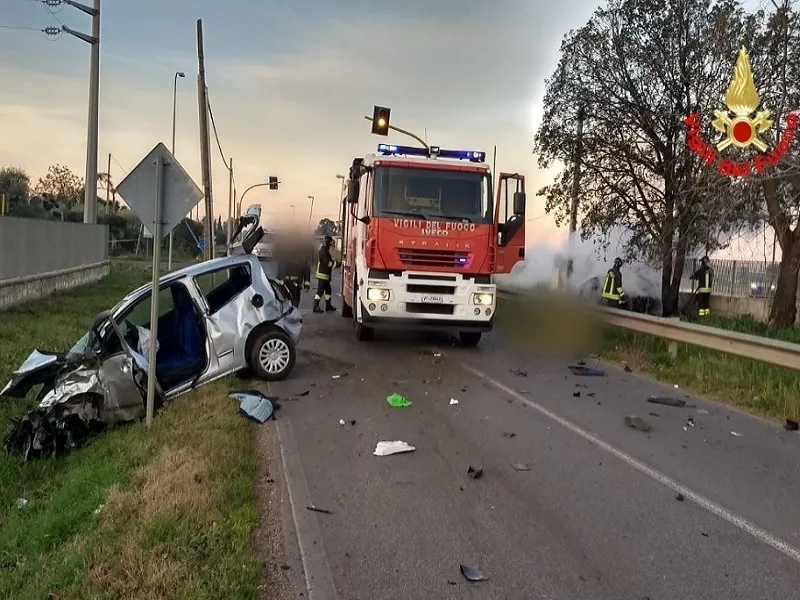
column 590, row 262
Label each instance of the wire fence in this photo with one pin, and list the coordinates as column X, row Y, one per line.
column 740, row 278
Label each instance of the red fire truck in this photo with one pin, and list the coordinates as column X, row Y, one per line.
column 422, row 237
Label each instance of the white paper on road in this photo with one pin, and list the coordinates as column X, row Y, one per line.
column 387, row 448
column 453, row 401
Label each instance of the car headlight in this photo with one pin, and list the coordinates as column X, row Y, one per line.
column 377, row 295
column 483, row 299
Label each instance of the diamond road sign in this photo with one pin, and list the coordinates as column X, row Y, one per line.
column 180, row 193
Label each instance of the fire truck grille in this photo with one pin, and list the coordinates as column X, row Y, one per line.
column 413, row 257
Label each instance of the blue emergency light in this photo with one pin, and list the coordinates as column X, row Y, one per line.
column 435, row 151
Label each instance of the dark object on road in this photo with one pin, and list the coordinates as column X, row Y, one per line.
column 637, row 423
column 680, row 498
column 319, row 510
column 791, row 425
column 676, row 402
column 519, row 372
column 591, row 394
column 628, row 369
column 690, row 422
column 520, row 467
column 508, row 434
column 586, row 371
column 582, row 363
column 285, row 567
column 472, row 574
column 475, row 473
column 301, row 394
column 576, row 394
column 652, row 414
column 352, row 421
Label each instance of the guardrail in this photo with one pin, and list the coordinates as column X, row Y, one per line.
column 774, row 352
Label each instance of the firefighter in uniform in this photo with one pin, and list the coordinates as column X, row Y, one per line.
column 613, row 294
column 323, row 275
column 704, row 276
column 294, row 270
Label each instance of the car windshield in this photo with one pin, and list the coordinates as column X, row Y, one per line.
column 433, row 194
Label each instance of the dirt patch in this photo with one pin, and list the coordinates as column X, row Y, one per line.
column 276, row 583
column 635, row 358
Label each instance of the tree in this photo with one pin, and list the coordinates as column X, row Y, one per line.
column 326, row 227
column 776, row 59
column 636, row 70
column 60, row 188
column 15, row 184
column 106, row 180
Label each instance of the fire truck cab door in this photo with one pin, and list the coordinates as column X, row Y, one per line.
column 510, row 218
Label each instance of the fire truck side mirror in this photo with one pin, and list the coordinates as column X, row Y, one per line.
column 352, row 192
column 519, row 203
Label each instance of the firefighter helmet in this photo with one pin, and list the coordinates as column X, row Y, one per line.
column 705, row 260
column 617, row 263
column 328, row 240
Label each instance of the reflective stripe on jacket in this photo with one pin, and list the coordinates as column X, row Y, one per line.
column 324, row 264
column 612, row 286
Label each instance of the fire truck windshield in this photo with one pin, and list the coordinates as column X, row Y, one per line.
column 433, row 194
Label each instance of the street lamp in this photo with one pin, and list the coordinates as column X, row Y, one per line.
column 174, row 113
column 311, row 212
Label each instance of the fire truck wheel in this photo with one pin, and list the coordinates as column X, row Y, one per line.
column 364, row 333
column 469, row 338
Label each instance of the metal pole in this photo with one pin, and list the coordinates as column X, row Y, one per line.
column 405, row 132
column 311, row 212
column 90, row 193
column 174, row 115
column 151, row 369
column 108, row 183
column 229, row 230
column 576, row 183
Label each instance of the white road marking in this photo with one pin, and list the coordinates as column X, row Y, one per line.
column 711, row 506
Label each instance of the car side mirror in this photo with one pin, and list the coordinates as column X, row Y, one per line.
column 365, row 219
column 352, row 192
column 519, row 203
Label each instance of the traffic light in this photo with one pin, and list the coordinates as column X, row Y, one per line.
column 380, row 120
column 273, row 182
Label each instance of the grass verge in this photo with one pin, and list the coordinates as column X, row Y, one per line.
column 162, row 513
column 762, row 389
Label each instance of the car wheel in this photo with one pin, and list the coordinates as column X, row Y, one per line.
column 272, row 355
column 469, row 338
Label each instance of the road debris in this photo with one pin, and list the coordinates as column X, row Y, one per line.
column 519, row 372
column 703, row 411
column 472, row 573
column 475, row 473
column 319, row 510
column 389, row 448
column 628, row 369
column 21, row 503
column 690, row 422
column 437, row 354
column 341, row 422
column 637, row 423
column 520, row 467
column 576, row 394
column 737, row 434
column 791, row 425
column 652, row 414
column 397, row 401
column 255, row 406
column 586, row 371
column 453, row 401
column 521, row 391
column 339, row 376
column 680, row 498
column 301, row 394
column 509, row 434
column 676, row 402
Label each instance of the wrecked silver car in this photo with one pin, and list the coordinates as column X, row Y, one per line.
column 215, row 318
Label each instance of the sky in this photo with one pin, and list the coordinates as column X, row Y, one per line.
column 289, row 84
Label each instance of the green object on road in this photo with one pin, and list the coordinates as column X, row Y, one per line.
column 397, row 401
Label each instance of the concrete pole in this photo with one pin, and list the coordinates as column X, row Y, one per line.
column 205, row 149
column 90, row 194
column 229, row 230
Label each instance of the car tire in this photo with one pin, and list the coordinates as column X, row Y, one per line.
column 469, row 338
column 272, row 354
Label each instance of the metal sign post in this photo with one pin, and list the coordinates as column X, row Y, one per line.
column 157, row 224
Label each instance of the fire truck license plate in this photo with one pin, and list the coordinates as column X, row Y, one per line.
column 431, row 299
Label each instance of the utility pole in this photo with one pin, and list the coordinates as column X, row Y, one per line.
column 229, row 231
column 108, row 183
column 311, row 212
column 90, row 181
column 205, row 150
column 576, row 186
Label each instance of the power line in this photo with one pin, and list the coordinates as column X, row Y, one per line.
column 216, row 135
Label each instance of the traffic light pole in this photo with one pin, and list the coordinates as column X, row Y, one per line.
column 404, row 132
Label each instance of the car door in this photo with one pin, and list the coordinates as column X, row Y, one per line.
column 230, row 304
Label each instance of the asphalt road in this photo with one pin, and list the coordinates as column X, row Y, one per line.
column 596, row 516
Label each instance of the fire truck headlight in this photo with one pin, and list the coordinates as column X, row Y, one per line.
column 377, row 295
column 483, row 299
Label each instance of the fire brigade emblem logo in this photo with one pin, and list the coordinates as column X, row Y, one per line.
column 741, row 126
column 742, row 101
